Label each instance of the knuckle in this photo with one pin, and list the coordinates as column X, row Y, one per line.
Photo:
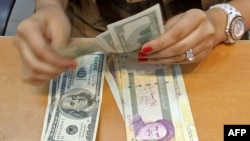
column 27, row 25
column 23, row 26
column 179, row 58
column 180, row 49
column 161, row 41
column 178, row 34
column 40, row 54
column 199, row 14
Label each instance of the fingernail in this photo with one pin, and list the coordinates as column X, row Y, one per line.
column 147, row 49
column 142, row 59
column 141, row 55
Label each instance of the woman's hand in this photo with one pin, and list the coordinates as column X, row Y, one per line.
column 190, row 30
column 36, row 37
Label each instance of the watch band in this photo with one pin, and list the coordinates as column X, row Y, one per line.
column 232, row 15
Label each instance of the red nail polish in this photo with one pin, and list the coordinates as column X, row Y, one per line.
column 72, row 66
column 141, row 54
column 147, row 49
column 142, row 59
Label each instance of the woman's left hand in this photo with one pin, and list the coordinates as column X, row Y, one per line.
column 192, row 30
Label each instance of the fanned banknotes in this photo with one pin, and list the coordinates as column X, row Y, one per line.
column 74, row 106
column 122, row 36
column 131, row 33
column 154, row 100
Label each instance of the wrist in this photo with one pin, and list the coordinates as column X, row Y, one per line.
column 219, row 20
column 235, row 23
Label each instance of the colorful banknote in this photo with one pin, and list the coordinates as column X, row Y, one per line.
column 187, row 121
column 76, row 109
column 153, row 100
column 110, row 76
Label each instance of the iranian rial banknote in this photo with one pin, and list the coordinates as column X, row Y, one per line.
column 155, row 103
column 110, row 76
column 187, row 121
column 75, row 110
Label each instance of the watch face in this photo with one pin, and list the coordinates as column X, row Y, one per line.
column 237, row 27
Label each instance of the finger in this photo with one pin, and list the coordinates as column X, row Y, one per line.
column 198, row 53
column 166, row 60
column 175, row 33
column 39, row 44
column 36, row 78
column 198, row 57
column 187, row 43
column 33, row 63
column 171, row 22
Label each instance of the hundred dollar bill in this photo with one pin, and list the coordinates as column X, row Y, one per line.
column 125, row 35
column 131, row 33
column 53, row 88
column 76, row 112
column 105, row 40
column 150, row 101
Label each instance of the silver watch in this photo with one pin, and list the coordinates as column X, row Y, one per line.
column 235, row 27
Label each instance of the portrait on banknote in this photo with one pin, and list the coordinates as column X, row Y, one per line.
column 78, row 103
column 160, row 130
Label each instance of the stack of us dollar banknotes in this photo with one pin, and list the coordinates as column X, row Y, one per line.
column 151, row 98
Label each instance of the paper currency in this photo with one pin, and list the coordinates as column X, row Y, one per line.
column 189, row 129
column 111, row 79
column 150, row 101
column 125, row 35
column 53, row 88
column 151, row 98
column 131, row 33
column 76, row 110
column 105, row 40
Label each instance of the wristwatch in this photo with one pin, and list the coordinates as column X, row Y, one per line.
column 235, row 27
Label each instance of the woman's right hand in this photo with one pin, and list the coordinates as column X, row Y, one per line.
column 35, row 39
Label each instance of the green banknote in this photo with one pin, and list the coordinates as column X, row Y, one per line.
column 78, row 97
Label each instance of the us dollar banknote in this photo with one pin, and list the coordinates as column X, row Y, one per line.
column 122, row 36
column 76, row 109
column 53, row 88
column 131, row 33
